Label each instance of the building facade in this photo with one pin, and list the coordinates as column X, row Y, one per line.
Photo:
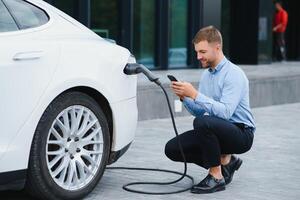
column 159, row 32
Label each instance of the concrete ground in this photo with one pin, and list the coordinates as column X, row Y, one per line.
column 270, row 169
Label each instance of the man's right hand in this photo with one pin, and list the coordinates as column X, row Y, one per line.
column 184, row 89
column 179, row 96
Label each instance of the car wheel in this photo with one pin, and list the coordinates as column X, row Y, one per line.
column 70, row 148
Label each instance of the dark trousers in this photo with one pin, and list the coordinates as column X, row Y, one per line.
column 279, row 49
column 210, row 138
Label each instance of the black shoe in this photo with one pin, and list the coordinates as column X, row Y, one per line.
column 209, row 185
column 229, row 169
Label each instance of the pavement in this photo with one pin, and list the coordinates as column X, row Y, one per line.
column 271, row 169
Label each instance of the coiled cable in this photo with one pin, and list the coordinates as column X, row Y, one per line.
column 184, row 174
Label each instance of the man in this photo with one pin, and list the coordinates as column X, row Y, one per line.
column 224, row 124
column 279, row 26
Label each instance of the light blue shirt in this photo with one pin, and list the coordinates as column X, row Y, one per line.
column 224, row 93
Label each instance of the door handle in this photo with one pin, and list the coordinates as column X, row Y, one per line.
column 31, row 55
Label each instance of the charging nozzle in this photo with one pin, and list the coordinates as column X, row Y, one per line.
column 135, row 68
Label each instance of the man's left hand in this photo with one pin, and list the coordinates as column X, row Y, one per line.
column 184, row 89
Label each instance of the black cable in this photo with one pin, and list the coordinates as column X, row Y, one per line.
column 126, row 186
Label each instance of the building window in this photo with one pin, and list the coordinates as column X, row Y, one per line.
column 225, row 26
column 144, row 31
column 67, row 6
column 178, row 33
column 104, row 18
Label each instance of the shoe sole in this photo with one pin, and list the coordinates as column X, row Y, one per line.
column 209, row 191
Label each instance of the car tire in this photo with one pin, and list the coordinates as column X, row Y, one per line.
column 60, row 133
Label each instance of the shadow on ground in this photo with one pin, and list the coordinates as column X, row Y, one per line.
column 15, row 195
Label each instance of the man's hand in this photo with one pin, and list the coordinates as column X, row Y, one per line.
column 277, row 27
column 184, row 89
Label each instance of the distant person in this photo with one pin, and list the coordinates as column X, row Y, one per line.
column 280, row 22
column 223, row 123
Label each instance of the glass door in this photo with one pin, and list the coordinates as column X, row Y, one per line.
column 67, row 6
column 104, row 18
column 144, row 32
column 178, row 34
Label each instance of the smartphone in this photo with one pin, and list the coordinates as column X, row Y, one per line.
column 172, row 78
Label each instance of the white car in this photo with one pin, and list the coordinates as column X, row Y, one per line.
column 67, row 109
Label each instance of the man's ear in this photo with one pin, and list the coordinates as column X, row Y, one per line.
column 218, row 46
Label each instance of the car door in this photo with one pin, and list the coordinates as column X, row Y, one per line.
column 28, row 60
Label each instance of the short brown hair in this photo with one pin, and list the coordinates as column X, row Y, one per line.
column 208, row 33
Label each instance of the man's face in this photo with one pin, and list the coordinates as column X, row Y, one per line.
column 277, row 6
column 207, row 53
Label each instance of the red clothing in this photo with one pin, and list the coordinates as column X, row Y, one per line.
column 281, row 17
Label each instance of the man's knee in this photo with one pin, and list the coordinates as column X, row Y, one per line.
column 201, row 122
column 171, row 149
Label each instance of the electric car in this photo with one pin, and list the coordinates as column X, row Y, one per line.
column 67, row 108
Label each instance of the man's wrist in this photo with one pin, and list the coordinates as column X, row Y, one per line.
column 194, row 96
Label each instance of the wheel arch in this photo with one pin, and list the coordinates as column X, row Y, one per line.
column 101, row 101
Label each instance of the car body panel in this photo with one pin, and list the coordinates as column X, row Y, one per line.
column 20, row 57
column 75, row 57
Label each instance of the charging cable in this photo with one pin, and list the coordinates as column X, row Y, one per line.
column 135, row 68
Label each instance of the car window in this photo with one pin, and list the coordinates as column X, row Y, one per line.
column 7, row 23
column 26, row 14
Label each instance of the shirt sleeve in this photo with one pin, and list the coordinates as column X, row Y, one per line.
column 234, row 86
column 284, row 19
column 192, row 107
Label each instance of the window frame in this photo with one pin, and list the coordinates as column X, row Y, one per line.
column 17, row 21
column 17, row 25
column 41, row 5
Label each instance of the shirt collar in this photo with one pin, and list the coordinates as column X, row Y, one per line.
column 219, row 66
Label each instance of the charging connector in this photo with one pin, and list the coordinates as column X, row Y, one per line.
column 135, row 68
